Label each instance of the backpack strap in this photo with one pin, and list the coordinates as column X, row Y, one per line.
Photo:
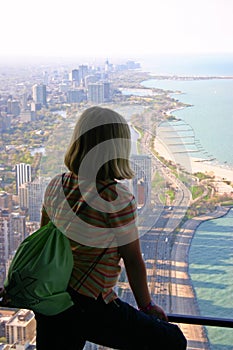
column 84, row 204
column 86, row 274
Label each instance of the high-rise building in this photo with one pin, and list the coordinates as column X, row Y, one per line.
column 23, row 196
column 13, row 107
column 12, row 232
column 107, row 91
column 141, row 165
column 24, row 100
column 36, row 191
column 99, row 92
column 21, row 328
column 106, row 66
column 4, row 237
column 39, row 94
column 75, row 76
column 95, row 93
column 5, row 200
column 17, row 231
column 5, row 316
column 76, row 96
column 23, row 174
column 45, row 77
column 5, row 122
column 83, row 72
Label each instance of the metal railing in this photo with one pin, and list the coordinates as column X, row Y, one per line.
column 201, row 320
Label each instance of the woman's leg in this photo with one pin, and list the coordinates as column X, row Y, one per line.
column 139, row 331
column 59, row 332
column 120, row 326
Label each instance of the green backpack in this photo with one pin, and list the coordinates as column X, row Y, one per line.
column 39, row 273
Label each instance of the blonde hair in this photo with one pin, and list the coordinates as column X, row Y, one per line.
column 95, row 126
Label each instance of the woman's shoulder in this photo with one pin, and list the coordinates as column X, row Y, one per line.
column 111, row 190
column 64, row 179
column 54, row 184
column 108, row 189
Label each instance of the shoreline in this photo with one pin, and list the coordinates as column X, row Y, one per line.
column 183, row 294
column 189, row 77
column 180, row 262
column 184, row 298
column 197, row 164
column 221, row 171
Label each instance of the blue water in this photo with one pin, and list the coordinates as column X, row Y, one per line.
column 211, row 117
column 190, row 65
column 211, row 114
column 211, row 270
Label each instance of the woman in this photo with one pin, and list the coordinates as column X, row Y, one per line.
column 98, row 214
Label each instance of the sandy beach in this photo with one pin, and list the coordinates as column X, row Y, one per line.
column 221, row 173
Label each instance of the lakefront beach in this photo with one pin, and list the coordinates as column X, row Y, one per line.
column 187, row 298
column 184, row 298
column 221, row 172
column 196, row 137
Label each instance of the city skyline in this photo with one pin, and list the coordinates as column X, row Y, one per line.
column 124, row 28
column 165, row 248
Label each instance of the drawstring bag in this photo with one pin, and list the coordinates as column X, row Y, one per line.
column 39, row 273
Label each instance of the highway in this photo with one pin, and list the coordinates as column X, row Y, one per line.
column 165, row 252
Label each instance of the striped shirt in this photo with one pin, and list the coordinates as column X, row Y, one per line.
column 104, row 222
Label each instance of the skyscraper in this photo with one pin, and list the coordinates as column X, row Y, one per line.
column 75, row 96
column 17, row 231
column 6, row 200
column 96, row 93
column 5, row 122
column 141, row 165
column 4, row 238
column 83, row 72
column 39, row 94
column 13, row 107
column 23, row 196
column 12, row 232
column 23, row 174
column 75, row 76
column 107, row 91
column 36, row 191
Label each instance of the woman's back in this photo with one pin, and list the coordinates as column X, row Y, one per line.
column 100, row 223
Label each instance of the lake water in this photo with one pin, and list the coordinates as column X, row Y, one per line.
column 211, row 117
column 211, row 114
column 211, row 269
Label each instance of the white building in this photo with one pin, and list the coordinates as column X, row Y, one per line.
column 23, row 174
column 39, row 94
column 21, row 328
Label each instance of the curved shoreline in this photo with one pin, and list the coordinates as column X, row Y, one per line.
column 220, row 161
column 184, row 300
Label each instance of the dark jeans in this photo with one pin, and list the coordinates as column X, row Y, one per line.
column 116, row 325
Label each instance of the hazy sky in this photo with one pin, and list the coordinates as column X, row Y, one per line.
column 109, row 27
